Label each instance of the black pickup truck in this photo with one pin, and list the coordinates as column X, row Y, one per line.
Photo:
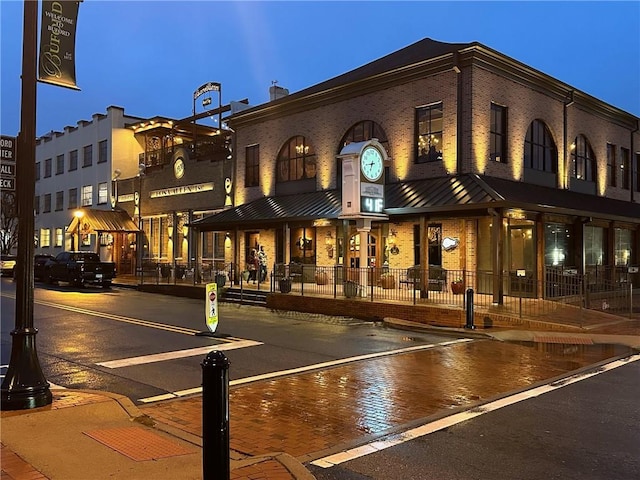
column 80, row 268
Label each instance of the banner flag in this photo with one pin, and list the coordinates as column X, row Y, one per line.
column 57, row 63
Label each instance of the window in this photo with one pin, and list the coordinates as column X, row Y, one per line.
column 73, row 160
column 252, row 166
column 37, row 170
column 59, row 237
column 47, row 168
column 558, row 244
column 540, row 152
column 296, row 160
column 622, row 249
column 59, row 200
column 103, row 193
column 363, row 131
column 73, row 198
column 583, row 160
column 87, row 195
column 87, row 156
column 45, row 237
column 36, row 204
column 47, row 203
column 625, row 168
column 594, row 245
column 429, row 124
column 59, row 164
column 102, row 151
column 498, row 134
column 611, row 164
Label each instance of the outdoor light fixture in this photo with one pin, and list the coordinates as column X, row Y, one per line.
column 328, row 241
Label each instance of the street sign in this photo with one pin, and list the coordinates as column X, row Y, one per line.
column 8, row 184
column 7, row 149
column 7, row 163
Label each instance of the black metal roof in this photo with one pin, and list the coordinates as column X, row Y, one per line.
column 286, row 208
column 441, row 195
column 553, row 200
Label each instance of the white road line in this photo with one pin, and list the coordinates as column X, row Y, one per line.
column 191, row 352
column 317, row 366
column 396, row 439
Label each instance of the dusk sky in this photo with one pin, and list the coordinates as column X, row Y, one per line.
column 149, row 56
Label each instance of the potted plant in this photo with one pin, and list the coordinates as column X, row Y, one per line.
column 221, row 279
column 387, row 281
column 285, row 284
column 350, row 288
column 457, row 286
column 321, row 277
column 245, row 275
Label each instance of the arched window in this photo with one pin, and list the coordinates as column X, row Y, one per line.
column 583, row 161
column 540, row 151
column 363, row 131
column 296, row 160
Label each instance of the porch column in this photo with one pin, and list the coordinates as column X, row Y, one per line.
column 497, row 242
column 424, row 257
column 363, row 226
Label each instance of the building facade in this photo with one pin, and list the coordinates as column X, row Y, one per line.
column 74, row 172
column 490, row 167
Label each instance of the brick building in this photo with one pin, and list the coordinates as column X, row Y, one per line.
column 491, row 168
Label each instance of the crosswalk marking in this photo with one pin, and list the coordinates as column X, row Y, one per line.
column 191, row 352
column 307, row 368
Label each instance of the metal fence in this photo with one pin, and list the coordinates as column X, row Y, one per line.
column 558, row 292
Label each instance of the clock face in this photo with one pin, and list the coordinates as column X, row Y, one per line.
column 371, row 164
column 178, row 168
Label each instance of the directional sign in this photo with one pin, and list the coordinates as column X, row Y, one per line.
column 8, row 184
column 7, row 149
column 7, row 163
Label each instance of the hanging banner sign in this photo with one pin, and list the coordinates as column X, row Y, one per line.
column 56, row 64
column 211, row 305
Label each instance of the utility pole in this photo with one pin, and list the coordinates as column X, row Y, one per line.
column 24, row 385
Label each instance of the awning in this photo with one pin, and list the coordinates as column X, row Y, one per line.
column 94, row 220
column 442, row 195
column 276, row 210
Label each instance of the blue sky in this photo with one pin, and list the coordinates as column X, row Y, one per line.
column 149, row 56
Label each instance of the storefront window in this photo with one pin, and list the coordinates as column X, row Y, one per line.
column 622, row 249
column 303, row 245
column 594, row 246
column 558, row 244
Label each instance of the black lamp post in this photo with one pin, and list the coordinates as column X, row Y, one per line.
column 24, row 385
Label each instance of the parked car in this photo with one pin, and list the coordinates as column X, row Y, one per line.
column 39, row 266
column 39, row 261
column 79, row 268
column 7, row 264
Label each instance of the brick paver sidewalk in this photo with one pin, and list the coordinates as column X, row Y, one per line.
column 306, row 415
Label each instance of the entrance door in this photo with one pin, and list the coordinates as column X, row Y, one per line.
column 353, row 258
column 522, row 260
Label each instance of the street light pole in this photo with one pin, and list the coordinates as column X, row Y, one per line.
column 24, row 385
column 78, row 214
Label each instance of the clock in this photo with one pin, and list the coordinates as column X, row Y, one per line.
column 371, row 163
column 178, row 168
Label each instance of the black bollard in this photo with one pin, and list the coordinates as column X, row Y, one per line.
column 469, row 312
column 215, row 417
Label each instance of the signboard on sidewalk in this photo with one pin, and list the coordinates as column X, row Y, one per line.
column 211, row 306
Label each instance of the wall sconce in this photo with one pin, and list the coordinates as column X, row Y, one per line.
column 185, row 230
column 329, row 243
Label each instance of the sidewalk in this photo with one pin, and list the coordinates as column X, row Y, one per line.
column 100, row 435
